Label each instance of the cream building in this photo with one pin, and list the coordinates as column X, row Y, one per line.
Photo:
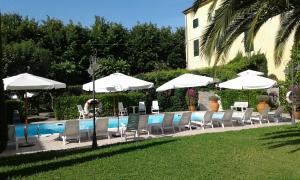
column 264, row 42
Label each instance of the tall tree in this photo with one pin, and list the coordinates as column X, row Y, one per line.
column 3, row 123
column 144, row 48
column 234, row 17
column 26, row 56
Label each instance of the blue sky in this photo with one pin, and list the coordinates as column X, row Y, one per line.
column 126, row 12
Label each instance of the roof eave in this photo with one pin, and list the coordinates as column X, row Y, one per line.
column 188, row 10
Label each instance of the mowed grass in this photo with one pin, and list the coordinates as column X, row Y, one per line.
column 264, row 153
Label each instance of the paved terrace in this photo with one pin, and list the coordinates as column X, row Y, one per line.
column 52, row 142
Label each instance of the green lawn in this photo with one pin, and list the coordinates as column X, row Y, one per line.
column 265, row 153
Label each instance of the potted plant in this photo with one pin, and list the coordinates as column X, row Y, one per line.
column 191, row 99
column 296, row 91
column 213, row 103
column 263, row 102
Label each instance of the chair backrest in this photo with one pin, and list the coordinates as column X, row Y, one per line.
column 143, row 122
column 208, row 117
column 168, row 120
column 241, row 104
column 133, row 122
column 72, row 128
column 248, row 114
column 279, row 111
column 11, row 133
column 120, row 106
column 102, row 125
column 79, row 107
column 155, row 105
column 185, row 118
column 142, row 106
column 227, row 116
column 265, row 112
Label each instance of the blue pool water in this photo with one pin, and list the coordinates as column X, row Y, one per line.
column 51, row 128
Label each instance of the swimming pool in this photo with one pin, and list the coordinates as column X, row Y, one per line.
column 52, row 128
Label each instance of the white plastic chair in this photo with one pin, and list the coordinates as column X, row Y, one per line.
column 264, row 116
column 142, row 108
column 155, row 107
column 81, row 112
column 72, row 131
column 102, row 127
column 12, row 139
column 122, row 110
column 185, row 121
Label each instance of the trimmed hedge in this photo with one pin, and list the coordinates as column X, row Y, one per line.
column 228, row 97
column 65, row 107
column 223, row 73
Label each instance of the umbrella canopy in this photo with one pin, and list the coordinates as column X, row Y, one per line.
column 250, row 72
column 27, row 81
column 117, row 82
column 248, row 82
column 185, row 81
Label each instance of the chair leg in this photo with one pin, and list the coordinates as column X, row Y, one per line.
column 64, row 140
column 17, row 144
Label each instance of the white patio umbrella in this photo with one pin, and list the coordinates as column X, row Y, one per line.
column 185, row 81
column 27, row 81
column 250, row 72
column 117, row 82
column 248, row 82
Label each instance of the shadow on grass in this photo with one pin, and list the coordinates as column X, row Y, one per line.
column 49, row 155
column 33, row 169
column 278, row 139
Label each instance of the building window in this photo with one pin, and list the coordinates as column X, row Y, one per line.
column 195, row 23
column 196, row 47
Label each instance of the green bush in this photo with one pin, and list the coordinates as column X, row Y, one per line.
column 65, row 107
column 12, row 105
column 175, row 101
column 3, row 119
column 228, row 97
column 223, row 73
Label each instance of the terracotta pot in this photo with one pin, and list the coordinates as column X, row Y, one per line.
column 214, row 106
column 192, row 108
column 261, row 106
column 297, row 115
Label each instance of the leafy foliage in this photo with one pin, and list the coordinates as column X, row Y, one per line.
column 240, row 63
column 228, row 97
column 12, row 105
column 110, row 65
column 232, row 18
column 65, row 107
column 3, row 122
column 61, row 51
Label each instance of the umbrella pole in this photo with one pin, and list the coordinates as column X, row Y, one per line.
column 26, row 120
column 114, row 102
column 118, row 121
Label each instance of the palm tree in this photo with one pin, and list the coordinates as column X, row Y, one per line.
column 234, row 17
